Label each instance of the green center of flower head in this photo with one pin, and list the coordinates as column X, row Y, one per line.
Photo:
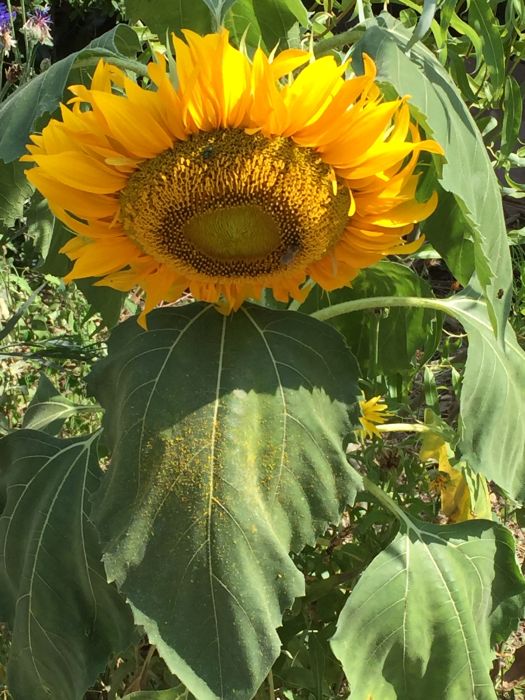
column 243, row 231
column 229, row 204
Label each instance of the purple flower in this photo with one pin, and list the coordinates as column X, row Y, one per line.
column 6, row 38
column 38, row 26
column 5, row 18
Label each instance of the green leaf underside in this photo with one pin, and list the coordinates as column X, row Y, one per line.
column 48, row 409
column 227, row 453
column 65, row 618
column 14, row 190
column 492, row 399
column 20, row 112
column 267, row 22
column 467, row 172
column 427, row 612
column 163, row 16
column 384, row 343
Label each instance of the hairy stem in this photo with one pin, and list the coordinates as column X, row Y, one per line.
column 374, row 302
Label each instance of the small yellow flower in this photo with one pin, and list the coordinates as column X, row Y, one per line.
column 239, row 178
column 374, row 412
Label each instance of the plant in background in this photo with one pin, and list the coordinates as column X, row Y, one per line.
column 35, row 28
column 242, row 522
column 7, row 40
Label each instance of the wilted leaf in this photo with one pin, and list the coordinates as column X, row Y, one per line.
column 450, row 482
column 517, row 670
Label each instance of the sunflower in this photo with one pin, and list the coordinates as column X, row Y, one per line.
column 239, row 178
column 374, row 412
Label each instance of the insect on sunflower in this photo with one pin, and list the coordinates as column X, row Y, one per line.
column 240, row 178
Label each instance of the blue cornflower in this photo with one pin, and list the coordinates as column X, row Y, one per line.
column 38, row 26
column 5, row 18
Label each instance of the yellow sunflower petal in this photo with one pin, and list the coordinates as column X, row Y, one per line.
column 233, row 179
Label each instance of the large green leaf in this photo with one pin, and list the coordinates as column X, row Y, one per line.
column 447, row 230
column 383, row 341
column 49, row 409
column 423, row 618
column 65, row 618
column 163, row 16
column 467, row 173
column 227, row 453
column 492, row 398
column 267, row 21
column 485, row 24
column 19, row 113
column 15, row 189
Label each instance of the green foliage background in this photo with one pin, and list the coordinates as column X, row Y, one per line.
column 289, row 560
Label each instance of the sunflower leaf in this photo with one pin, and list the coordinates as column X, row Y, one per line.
column 224, row 460
column 15, row 189
column 492, row 395
column 163, row 15
column 427, row 612
column 42, row 95
column 65, row 618
column 48, row 408
column 467, row 173
column 266, row 20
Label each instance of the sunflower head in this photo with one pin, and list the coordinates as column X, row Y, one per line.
column 240, row 178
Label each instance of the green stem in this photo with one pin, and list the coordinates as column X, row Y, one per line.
column 360, row 11
column 271, row 687
column 30, row 57
column 16, row 50
column 26, row 42
column 375, row 302
column 124, row 63
column 338, row 41
column 387, row 502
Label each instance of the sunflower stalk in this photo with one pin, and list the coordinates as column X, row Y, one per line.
column 347, row 307
column 338, row 41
